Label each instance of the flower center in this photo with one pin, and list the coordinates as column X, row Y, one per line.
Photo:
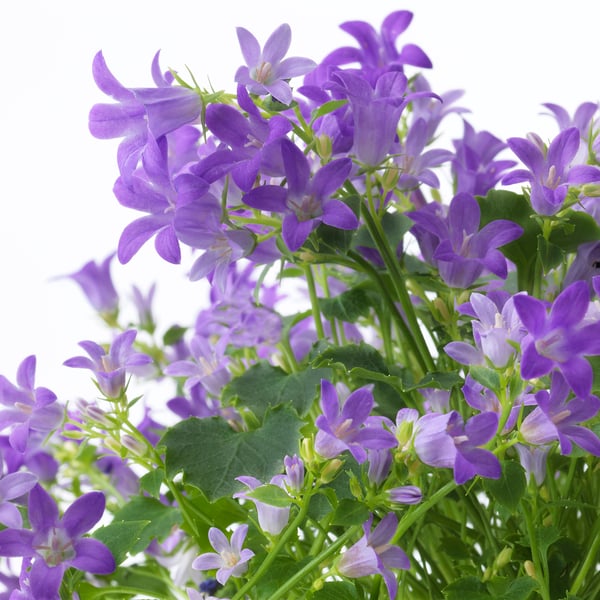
column 263, row 72
column 57, row 549
column 307, row 207
column 229, row 558
column 551, row 345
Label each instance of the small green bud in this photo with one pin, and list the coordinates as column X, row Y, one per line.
column 323, row 146
column 591, row 190
column 331, row 469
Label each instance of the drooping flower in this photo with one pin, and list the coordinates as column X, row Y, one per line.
column 346, row 429
column 53, row 544
column 271, row 519
column 306, row 201
column 559, row 339
column 139, row 112
column 26, row 409
column 549, row 170
column 266, row 70
column 111, row 368
column 96, row 283
column 374, row 554
column 230, row 559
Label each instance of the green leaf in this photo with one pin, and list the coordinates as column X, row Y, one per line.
column 520, row 589
column 350, row 512
column 546, row 536
column 327, row 108
column 550, row 254
column 573, row 229
column 509, row 489
column 152, row 481
column 121, row 537
column 279, row 573
column 264, row 386
column 348, row 306
column 467, row 588
column 271, row 494
column 211, row 455
column 352, row 356
column 173, row 335
column 161, row 519
column 486, row 377
column 442, row 380
column 336, row 590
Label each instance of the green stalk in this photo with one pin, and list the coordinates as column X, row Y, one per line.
column 314, row 563
column 589, row 562
column 418, row 341
column 314, row 300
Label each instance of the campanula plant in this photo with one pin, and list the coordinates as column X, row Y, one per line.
column 392, row 388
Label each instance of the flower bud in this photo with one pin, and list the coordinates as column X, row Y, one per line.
column 331, row 470
column 530, row 569
column 133, row 445
column 405, row 494
column 323, row 146
column 503, row 558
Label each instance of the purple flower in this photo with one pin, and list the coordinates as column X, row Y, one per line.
column 561, row 338
column 111, row 368
column 208, row 367
column 444, row 440
column 306, row 201
column 374, row 554
column 139, row 112
column 549, row 170
column 26, row 409
column 13, row 486
column 199, row 225
column 474, row 167
column 533, row 461
column 375, row 111
column 230, row 559
column 271, row 519
column 378, row 51
column 267, row 71
column 96, row 283
column 461, row 251
column 555, row 418
column 346, row 429
column 54, row 543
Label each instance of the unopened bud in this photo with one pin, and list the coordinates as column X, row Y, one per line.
column 323, row 146
column 530, row 569
column 133, row 445
column 591, row 190
column 331, row 470
column 96, row 414
column 307, row 451
column 503, row 558
column 389, row 178
column 441, row 307
column 113, row 445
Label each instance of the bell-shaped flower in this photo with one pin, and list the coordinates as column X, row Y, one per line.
column 54, row 544
column 348, row 428
column 558, row 418
column 14, row 485
column 462, row 251
column 306, row 201
column 230, row 559
column 266, row 70
column 374, row 554
column 25, row 409
column 549, row 170
column 561, row 338
column 111, row 367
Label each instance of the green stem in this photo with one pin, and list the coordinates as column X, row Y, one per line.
column 314, row 563
column 274, row 552
column 314, row 300
column 538, row 561
column 391, row 262
column 589, row 562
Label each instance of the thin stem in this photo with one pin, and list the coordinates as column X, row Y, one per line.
column 314, row 300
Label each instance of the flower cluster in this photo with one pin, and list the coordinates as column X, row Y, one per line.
column 416, row 418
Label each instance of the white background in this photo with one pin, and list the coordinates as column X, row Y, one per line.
column 58, row 210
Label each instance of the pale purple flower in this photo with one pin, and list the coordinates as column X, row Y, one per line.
column 380, row 464
column 585, row 266
column 271, row 519
column 374, row 554
column 230, row 559
column 199, row 225
column 461, row 251
column 26, row 409
column 95, row 281
column 345, row 429
column 533, row 461
column 54, row 544
column 13, row 486
column 549, row 170
column 139, row 113
column 561, row 338
column 445, row 440
column 267, row 71
column 474, row 168
column 306, row 201
column 557, row 418
column 208, row 366
column 111, row 368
